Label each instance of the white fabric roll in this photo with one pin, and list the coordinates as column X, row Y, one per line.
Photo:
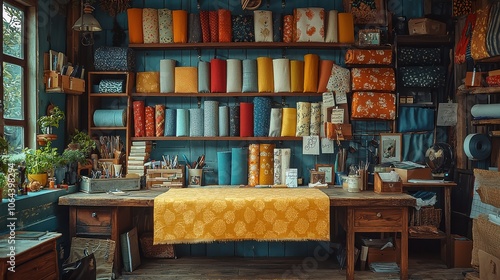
column 332, row 32
column 281, row 72
column 285, row 163
column 275, row 123
column 323, row 120
column 315, row 126
column 234, row 75
column 486, row 111
column 263, row 26
column 167, row 78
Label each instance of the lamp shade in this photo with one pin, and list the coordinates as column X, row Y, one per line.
column 87, row 23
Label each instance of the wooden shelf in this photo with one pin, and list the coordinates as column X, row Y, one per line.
column 221, row 138
column 420, row 40
column 108, row 128
column 440, row 235
column 226, row 94
column 486, row 122
column 495, row 133
column 493, row 59
column 242, row 45
column 94, row 94
column 479, row 90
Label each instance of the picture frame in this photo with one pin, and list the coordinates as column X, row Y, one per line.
column 370, row 12
column 390, row 147
column 369, row 37
column 329, row 173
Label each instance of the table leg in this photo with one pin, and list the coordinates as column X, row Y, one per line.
column 447, row 224
column 404, row 245
column 350, row 244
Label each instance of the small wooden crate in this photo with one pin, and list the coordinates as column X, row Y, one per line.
column 386, row 187
column 165, row 178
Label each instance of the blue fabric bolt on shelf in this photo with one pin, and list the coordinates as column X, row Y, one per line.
column 182, row 122
column 211, row 118
column 114, row 118
column 261, row 116
column 277, row 27
column 196, row 122
column 414, row 119
column 234, row 120
column 203, row 76
column 239, row 166
column 224, row 167
column 167, row 69
column 223, row 121
column 249, row 75
column 170, row 120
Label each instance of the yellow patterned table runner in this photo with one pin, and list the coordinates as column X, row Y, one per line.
column 194, row 215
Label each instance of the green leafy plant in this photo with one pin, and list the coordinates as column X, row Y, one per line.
column 83, row 141
column 69, row 156
column 51, row 120
column 41, row 160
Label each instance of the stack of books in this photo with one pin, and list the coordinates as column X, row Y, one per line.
column 139, row 154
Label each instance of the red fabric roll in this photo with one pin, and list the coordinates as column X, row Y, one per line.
column 225, row 24
column 213, row 20
column 160, row 119
column 218, row 72
column 246, row 119
column 205, row 26
column 288, row 28
column 325, row 70
column 150, row 121
column 139, row 118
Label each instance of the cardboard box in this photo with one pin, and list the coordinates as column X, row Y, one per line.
column 387, row 255
column 386, row 187
column 421, row 26
column 417, row 173
column 474, row 79
column 461, row 251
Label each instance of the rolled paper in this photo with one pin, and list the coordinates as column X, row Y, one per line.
column 205, row 26
column 265, row 74
column 486, row 111
column 311, row 68
column 186, row 79
column 310, row 24
column 218, row 72
column 275, row 122
column 362, row 56
column 315, row 125
column 134, row 16
column 234, row 75
column 281, row 74
column 165, row 24
column 211, row 118
column 303, row 118
column 213, row 19
column 180, row 22
column 382, row 79
column 340, row 80
column 182, row 123
column 167, row 78
column 332, row 31
column 277, row 27
column 263, row 26
column 325, row 70
column 289, row 124
column 243, row 28
column 266, row 164
column 170, row 120
column 150, row 121
column 196, row 122
column 253, row 164
column 346, row 28
column 296, row 76
column 113, row 118
column 194, row 33
column 288, row 28
column 223, row 121
column 159, row 120
column 224, row 168
column 477, row 146
column 225, row 23
column 234, row 120
column 150, row 26
column 261, row 116
column 148, row 82
column 246, row 119
column 239, row 166
column 139, row 119
column 250, row 80
column 203, row 76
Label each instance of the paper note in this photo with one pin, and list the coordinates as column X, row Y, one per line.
column 337, row 116
column 327, row 146
column 310, row 145
column 291, row 177
column 447, row 114
column 328, row 99
column 341, row 97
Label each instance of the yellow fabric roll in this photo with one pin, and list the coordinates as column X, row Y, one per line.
column 186, row 79
column 346, row 28
column 303, row 118
column 289, row 122
column 253, row 164
column 148, row 82
column 180, row 24
column 311, row 69
column 266, row 164
column 296, row 76
column 265, row 74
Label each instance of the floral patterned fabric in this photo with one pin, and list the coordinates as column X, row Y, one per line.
column 373, row 105
column 253, row 164
column 263, row 26
column 266, row 164
column 288, row 28
column 382, row 79
column 419, row 56
column 423, row 76
column 243, row 28
column 303, row 119
column 166, row 30
column 493, row 81
column 148, row 82
column 310, row 24
column 150, row 26
column 340, row 80
column 360, row 56
column 478, row 42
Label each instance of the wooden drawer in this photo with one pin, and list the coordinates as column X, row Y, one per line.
column 93, row 221
column 378, row 217
column 43, row 267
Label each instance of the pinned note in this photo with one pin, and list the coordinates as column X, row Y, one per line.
column 310, row 145
column 328, row 99
column 447, row 114
column 337, row 116
column 341, row 97
column 327, row 146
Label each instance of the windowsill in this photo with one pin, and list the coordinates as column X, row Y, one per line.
column 44, row 193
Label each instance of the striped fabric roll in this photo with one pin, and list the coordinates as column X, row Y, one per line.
column 159, row 120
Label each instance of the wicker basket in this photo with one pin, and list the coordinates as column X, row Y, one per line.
column 164, row 251
column 426, row 216
column 485, row 237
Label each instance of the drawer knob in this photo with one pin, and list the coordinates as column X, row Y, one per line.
column 379, row 215
column 94, row 215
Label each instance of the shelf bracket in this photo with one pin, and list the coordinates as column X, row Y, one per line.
column 199, row 102
column 198, row 4
column 198, row 51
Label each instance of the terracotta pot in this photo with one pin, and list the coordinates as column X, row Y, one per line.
column 42, row 139
column 42, row 178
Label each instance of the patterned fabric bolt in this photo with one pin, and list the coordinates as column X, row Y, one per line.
column 382, row 79
column 139, row 119
column 315, row 119
column 478, row 42
column 493, row 33
column 359, row 56
column 310, row 24
column 419, row 56
column 111, row 86
column 253, row 164
column 170, row 120
column 266, row 164
column 303, row 118
column 213, row 19
column 211, row 118
column 166, row 30
column 148, row 82
column 205, row 26
column 234, row 120
column 159, row 120
column 150, row 26
column 340, row 80
column 194, row 33
column 243, row 30
column 261, row 116
column 263, row 26
column 114, row 59
column 423, row 76
column 373, row 105
column 288, row 28
column 150, row 121
column 196, row 122
column 225, row 29
column 277, row 27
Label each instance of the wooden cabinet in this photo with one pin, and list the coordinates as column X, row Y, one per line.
column 378, row 217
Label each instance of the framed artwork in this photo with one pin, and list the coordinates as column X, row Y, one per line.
column 329, row 174
column 390, row 147
column 368, row 12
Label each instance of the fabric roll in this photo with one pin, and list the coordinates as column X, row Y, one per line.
column 281, row 164
column 325, row 70
column 261, row 116
column 281, row 74
column 225, row 29
column 194, row 25
column 493, row 33
column 167, row 78
column 371, row 57
column 186, row 79
column 205, row 26
column 213, row 19
column 419, row 56
column 234, row 75
column 223, row 121
column 246, row 119
column 265, row 74
column 303, row 118
column 113, row 118
column 243, row 28
column 309, row 24
column 253, row 164
column 263, row 26
column 382, row 79
column 170, row 120
column 485, row 111
column 250, row 80
column 159, row 120
column 165, row 25
column 324, row 113
column 211, row 118
column 150, row 121
column 224, row 167
column 234, row 120
column 182, row 123
column 423, row 76
column 275, row 122
column 332, row 31
column 195, row 122
column 346, row 28
column 289, row 125
column 266, row 164
column 180, row 22
column 478, row 47
column 415, row 119
column 477, row 146
column 286, row 154
column 373, row 105
column 311, row 68
column 315, row 124
column 218, row 72
column 239, row 166
column 203, row 76
column 134, row 16
column 296, row 76
column 493, row 81
column 150, row 26
column 277, row 167
column 277, row 27
column 340, row 80
column 139, row 119
column 111, row 86
column 288, row 28
column 147, row 82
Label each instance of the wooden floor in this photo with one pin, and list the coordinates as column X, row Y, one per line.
column 420, row 268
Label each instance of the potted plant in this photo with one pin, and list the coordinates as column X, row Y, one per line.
column 47, row 122
column 70, row 161
column 82, row 141
column 41, row 161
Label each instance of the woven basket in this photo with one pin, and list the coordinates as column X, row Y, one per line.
column 163, row 251
column 426, row 216
column 489, row 189
column 485, row 237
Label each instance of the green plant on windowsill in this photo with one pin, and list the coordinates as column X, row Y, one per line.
column 40, row 162
column 47, row 122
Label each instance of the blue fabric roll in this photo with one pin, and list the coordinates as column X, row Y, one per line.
column 196, row 122
column 223, row 121
column 423, row 76
column 114, row 118
column 414, row 119
column 203, row 76
column 239, row 166
column 261, row 116
column 211, row 118
column 234, row 120
column 419, row 56
column 249, row 75
column 182, row 122
column 277, row 27
column 224, row 167
column 170, row 120
column 243, row 28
